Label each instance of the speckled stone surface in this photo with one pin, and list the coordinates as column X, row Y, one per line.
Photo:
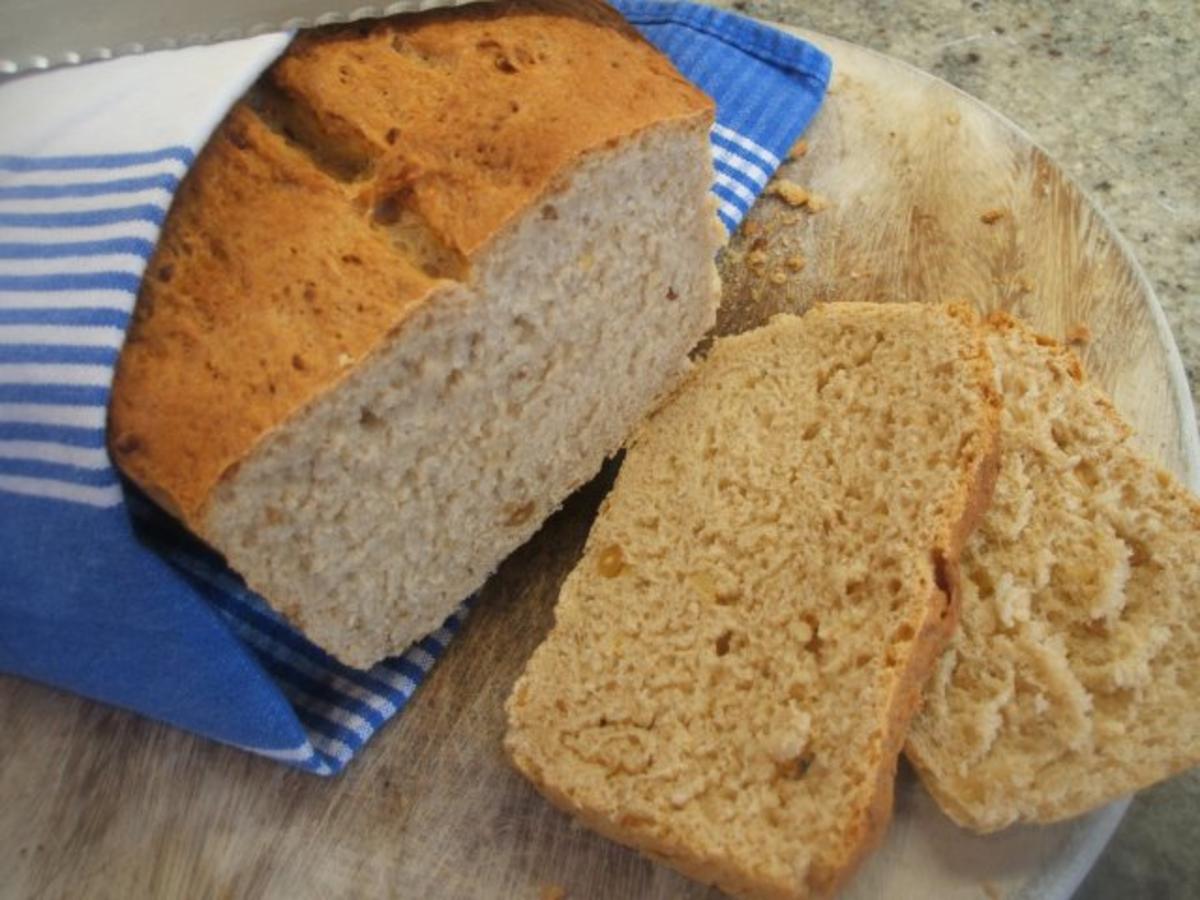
column 1111, row 91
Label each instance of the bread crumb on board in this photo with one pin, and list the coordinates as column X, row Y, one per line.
column 1079, row 333
column 799, row 149
column 789, row 192
column 1021, row 283
column 992, row 216
column 797, row 195
column 552, row 892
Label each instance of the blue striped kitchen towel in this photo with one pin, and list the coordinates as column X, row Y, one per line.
column 102, row 594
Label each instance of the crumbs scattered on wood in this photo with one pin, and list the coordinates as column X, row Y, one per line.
column 992, row 216
column 953, row 118
column 553, row 892
column 795, row 263
column 799, row 149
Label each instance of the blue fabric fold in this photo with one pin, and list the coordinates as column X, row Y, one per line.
column 101, row 593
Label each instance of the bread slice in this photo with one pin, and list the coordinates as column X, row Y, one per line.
column 736, row 657
column 422, row 281
column 1075, row 675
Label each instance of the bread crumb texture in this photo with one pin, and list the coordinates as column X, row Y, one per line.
column 1074, row 675
column 737, row 654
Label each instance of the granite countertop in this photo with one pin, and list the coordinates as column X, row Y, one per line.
column 1108, row 90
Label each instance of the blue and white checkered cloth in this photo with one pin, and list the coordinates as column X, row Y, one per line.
column 100, row 593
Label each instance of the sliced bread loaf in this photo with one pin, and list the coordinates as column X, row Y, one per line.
column 1075, row 675
column 417, row 287
column 736, row 657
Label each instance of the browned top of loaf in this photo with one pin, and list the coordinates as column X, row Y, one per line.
column 370, row 164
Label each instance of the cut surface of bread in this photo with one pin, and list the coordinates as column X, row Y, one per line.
column 1075, row 674
column 422, row 281
column 737, row 654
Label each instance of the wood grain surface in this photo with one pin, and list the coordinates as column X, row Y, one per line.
column 96, row 802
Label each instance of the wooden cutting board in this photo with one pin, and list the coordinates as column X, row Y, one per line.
column 95, row 802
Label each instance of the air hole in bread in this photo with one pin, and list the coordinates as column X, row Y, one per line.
column 611, row 561
column 369, row 420
column 721, row 646
column 1062, row 440
column 941, row 576
column 800, row 765
column 519, row 514
column 1086, row 472
column 525, row 328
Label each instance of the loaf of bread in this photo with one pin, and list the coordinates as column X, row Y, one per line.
column 420, row 283
column 1075, row 675
column 736, row 657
